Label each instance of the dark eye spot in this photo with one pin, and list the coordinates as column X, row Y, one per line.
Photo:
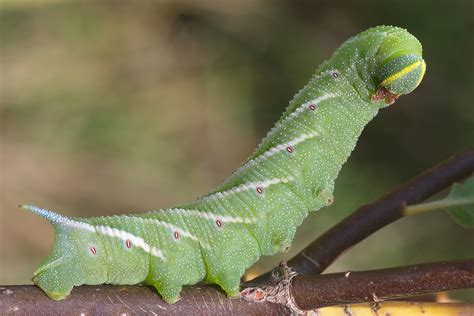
column 312, row 107
column 335, row 74
column 218, row 223
column 290, row 149
column 93, row 250
column 176, row 235
column 259, row 190
column 128, row 243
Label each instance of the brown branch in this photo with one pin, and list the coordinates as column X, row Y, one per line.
column 304, row 293
column 315, row 291
column 369, row 218
column 365, row 221
column 127, row 300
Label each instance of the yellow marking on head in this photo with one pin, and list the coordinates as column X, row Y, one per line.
column 404, row 71
column 423, row 69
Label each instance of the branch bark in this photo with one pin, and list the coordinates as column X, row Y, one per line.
column 304, row 293
column 128, row 300
column 315, row 291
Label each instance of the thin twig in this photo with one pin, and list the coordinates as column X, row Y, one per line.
column 435, row 205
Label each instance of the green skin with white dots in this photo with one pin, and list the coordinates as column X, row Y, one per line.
column 257, row 210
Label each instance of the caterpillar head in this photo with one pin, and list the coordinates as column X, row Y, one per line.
column 76, row 258
column 400, row 66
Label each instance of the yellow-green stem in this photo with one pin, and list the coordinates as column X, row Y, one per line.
column 435, row 205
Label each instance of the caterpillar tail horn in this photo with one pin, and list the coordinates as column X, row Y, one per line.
column 51, row 216
column 75, row 258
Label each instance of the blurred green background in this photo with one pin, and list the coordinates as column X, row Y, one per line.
column 112, row 107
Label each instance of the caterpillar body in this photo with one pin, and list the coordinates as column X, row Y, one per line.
column 257, row 210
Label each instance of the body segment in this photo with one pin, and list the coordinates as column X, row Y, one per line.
column 257, row 210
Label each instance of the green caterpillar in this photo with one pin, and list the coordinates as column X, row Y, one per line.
column 257, row 210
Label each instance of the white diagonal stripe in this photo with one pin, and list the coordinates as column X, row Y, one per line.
column 272, row 151
column 297, row 112
column 245, row 187
column 103, row 230
column 210, row 216
column 137, row 241
column 171, row 227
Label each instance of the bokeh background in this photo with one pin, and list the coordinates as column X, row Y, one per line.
column 113, row 107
